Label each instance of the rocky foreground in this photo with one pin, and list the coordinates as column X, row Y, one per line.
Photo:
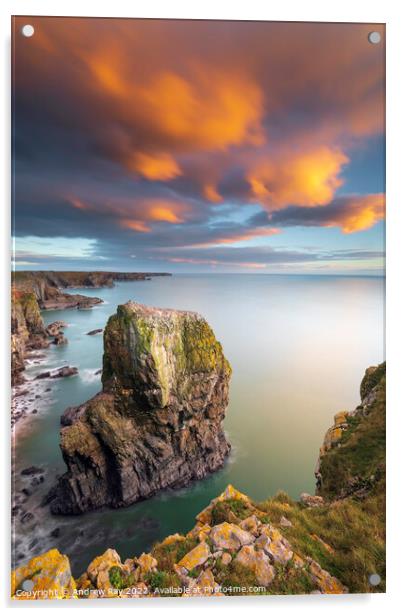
column 329, row 543
column 157, row 422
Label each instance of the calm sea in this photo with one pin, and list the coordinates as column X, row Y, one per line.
column 298, row 346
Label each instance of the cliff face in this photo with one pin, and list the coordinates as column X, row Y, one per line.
column 27, row 331
column 157, row 422
column 352, row 458
column 46, row 288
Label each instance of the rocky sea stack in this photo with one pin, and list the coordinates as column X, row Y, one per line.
column 158, row 421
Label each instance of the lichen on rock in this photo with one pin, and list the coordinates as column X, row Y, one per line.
column 47, row 576
column 158, row 421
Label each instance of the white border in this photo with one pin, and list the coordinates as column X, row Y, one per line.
column 387, row 11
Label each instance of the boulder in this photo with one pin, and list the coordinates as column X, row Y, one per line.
column 326, row 583
column 158, row 421
column 32, row 470
column 226, row 559
column 60, row 339
column 205, row 584
column 196, row 557
column 63, row 372
column 47, row 576
column 311, row 501
column 285, row 523
column 147, row 563
column 230, row 537
column 98, row 569
column 43, row 375
column 251, row 524
column 274, row 545
column 258, row 563
column 53, row 329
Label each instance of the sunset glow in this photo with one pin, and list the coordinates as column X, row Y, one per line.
column 167, row 136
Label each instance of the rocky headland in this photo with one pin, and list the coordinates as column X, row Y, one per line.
column 34, row 291
column 48, row 286
column 157, row 422
column 329, row 543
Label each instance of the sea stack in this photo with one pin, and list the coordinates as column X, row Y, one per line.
column 157, row 422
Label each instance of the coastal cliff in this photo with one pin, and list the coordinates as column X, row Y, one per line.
column 158, row 421
column 27, row 331
column 331, row 543
column 352, row 458
column 47, row 286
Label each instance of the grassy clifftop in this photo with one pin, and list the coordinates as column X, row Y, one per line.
column 352, row 462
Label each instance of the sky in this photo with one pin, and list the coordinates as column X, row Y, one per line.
column 198, row 146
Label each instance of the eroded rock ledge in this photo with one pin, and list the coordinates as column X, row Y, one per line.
column 232, row 549
column 158, row 421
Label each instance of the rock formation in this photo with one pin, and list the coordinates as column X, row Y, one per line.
column 158, row 421
column 27, row 331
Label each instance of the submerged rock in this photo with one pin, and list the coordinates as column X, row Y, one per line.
column 62, row 372
column 158, row 421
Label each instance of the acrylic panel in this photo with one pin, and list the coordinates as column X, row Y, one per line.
column 198, row 370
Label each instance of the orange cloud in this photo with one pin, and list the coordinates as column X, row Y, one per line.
column 223, row 111
column 362, row 213
column 213, row 111
column 135, row 225
column 309, row 178
column 79, row 205
column 107, row 73
column 164, row 213
column 211, row 194
column 238, row 237
column 155, row 166
column 350, row 212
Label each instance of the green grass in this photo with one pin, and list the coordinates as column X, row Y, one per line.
column 170, row 554
column 355, row 529
column 119, row 579
column 235, row 577
column 359, row 461
column 223, row 509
